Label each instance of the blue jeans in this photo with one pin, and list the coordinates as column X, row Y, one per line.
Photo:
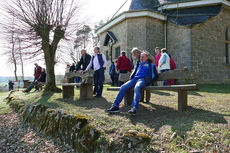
column 98, row 82
column 137, row 84
column 165, row 81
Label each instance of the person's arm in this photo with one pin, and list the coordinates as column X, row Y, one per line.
column 110, row 69
column 79, row 64
column 173, row 64
column 129, row 65
column 164, row 59
column 118, row 63
column 105, row 61
column 90, row 65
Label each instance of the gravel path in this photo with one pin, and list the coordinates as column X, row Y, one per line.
column 16, row 139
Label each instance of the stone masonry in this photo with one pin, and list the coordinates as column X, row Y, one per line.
column 200, row 47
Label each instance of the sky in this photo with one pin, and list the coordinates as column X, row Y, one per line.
column 92, row 10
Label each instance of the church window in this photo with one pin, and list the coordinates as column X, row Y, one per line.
column 117, row 52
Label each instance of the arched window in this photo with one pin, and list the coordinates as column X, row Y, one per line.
column 227, row 45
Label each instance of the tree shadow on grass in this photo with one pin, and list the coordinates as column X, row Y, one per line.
column 155, row 116
column 45, row 100
column 101, row 103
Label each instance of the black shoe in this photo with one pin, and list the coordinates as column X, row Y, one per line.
column 142, row 100
column 113, row 109
column 133, row 111
column 97, row 96
column 147, row 102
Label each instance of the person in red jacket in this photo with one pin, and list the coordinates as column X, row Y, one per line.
column 37, row 71
column 124, row 68
column 172, row 67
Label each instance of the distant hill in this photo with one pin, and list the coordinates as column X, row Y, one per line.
column 5, row 79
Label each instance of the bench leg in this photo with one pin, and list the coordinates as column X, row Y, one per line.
column 182, row 100
column 86, row 91
column 128, row 99
column 68, row 91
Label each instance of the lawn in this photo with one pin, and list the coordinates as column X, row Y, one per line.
column 4, row 108
column 204, row 126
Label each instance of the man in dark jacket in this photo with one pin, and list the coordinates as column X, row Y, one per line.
column 84, row 61
column 37, row 71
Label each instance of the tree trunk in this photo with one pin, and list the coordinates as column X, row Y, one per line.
column 20, row 52
column 50, row 74
column 49, row 52
column 14, row 58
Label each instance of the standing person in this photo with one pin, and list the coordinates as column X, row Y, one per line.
column 112, row 73
column 141, row 77
column 137, row 54
column 172, row 67
column 98, row 64
column 37, row 71
column 11, row 85
column 164, row 63
column 158, row 55
column 84, row 61
column 124, row 68
column 67, row 69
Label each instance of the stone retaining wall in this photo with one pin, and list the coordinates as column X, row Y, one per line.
column 74, row 131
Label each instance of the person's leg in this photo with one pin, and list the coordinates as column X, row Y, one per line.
column 112, row 79
column 124, row 88
column 100, row 82
column 137, row 92
column 142, row 95
column 165, row 83
column 95, row 77
column 148, row 95
column 36, row 84
column 30, row 87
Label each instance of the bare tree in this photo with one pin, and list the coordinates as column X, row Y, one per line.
column 83, row 37
column 42, row 24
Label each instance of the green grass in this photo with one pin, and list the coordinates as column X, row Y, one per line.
column 4, row 107
column 205, row 124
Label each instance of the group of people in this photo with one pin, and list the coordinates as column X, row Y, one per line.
column 142, row 72
column 145, row 73
column 39, row 78
column 97, row 62
column 120, row 73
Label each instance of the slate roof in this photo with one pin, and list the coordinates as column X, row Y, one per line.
column 186, row 16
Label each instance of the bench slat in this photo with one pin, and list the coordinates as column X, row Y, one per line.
column 69, row 84
column 178, row 75
column 172, row 87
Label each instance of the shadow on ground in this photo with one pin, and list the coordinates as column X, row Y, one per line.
column 152, row 115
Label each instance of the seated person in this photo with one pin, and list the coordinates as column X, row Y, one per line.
column 141, row 77
column 40, row 80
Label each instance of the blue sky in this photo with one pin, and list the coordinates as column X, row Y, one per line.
column 93, row 10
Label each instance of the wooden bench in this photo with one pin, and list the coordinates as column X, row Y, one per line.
column 181, row 89
column 86, row 85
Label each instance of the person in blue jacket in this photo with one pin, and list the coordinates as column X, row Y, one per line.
column 142, row 76
column 112, row 73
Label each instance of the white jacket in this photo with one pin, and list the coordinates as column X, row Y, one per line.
column 166, row 65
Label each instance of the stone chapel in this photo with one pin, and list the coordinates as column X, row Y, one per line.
column 196, row 34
